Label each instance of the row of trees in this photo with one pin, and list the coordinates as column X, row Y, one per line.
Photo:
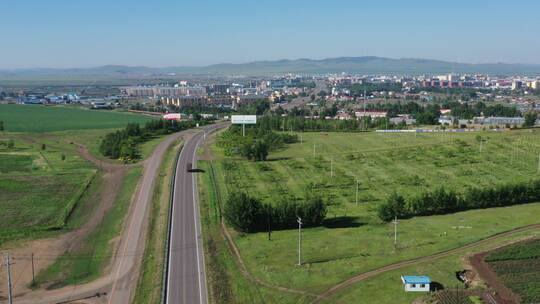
column 124, row 144
column 248, row 214
column 301, row 124
column 442, row 201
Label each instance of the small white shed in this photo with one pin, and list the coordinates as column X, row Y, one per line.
column 416, row 283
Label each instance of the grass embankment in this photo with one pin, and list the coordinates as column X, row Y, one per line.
column 39, row 190
column 150, row 285
column 87, row 262
column 353, row 239
column 226, row 284
column 39, row 118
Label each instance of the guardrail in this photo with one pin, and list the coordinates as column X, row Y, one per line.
column 169, row 220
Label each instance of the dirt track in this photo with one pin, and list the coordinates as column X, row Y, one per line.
column 503, row 294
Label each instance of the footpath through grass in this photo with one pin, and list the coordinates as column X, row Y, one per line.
column 353, row 239
column 87, row 262
column 39, row 118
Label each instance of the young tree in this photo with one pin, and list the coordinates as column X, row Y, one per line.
column 1, row 125
column 530, row 119
column 394, row 207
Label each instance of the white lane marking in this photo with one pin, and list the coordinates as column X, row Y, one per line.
column 193, row 186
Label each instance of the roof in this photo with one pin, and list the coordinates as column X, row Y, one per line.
column 415, row 279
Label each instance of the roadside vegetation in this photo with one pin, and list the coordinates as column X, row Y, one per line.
column 227, row 283
column 125, row 144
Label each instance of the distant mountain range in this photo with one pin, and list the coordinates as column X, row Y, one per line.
column 359, row 65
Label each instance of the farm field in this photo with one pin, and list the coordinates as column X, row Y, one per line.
column 38, row 190
column 39, row 118
column 518, row 267
column 352, row 239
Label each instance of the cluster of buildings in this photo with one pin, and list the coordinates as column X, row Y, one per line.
column 220, row 94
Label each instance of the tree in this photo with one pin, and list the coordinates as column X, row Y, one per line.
column 260, row 150
column 1, row 125
column 43, row 146
column 393, row 207
column 244, row 213
column 530, row 119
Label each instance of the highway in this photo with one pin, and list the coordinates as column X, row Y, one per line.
column 186, row 280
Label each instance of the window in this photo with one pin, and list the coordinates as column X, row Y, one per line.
column 413, row 285
column 422, row 285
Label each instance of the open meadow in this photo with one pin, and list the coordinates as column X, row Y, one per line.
column 353, row 239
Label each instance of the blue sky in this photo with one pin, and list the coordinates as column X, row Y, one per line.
column 83, row 33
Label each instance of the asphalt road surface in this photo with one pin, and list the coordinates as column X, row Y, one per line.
column 186, row 280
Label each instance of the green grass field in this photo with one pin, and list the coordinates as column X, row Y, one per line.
column 353, row 239
column 38, row 118
column 38, row 190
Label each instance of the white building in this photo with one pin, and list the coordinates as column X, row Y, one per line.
column 416, row 283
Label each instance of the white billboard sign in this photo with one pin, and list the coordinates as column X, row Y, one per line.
column 244, row 119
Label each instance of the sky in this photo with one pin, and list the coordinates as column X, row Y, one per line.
column 157, row 33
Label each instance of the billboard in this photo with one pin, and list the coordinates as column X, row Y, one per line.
column 244, row 119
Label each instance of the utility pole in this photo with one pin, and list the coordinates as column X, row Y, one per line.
column 539, row 164
column 356, row 200
column 33, row 277
column 299, row 220
column 313, row 149
column 481, row 144
column 8, row 266
column 243, row 130
column 331, row 166
column 395, row 222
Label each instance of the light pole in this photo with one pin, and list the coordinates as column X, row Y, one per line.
column 299, row 220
